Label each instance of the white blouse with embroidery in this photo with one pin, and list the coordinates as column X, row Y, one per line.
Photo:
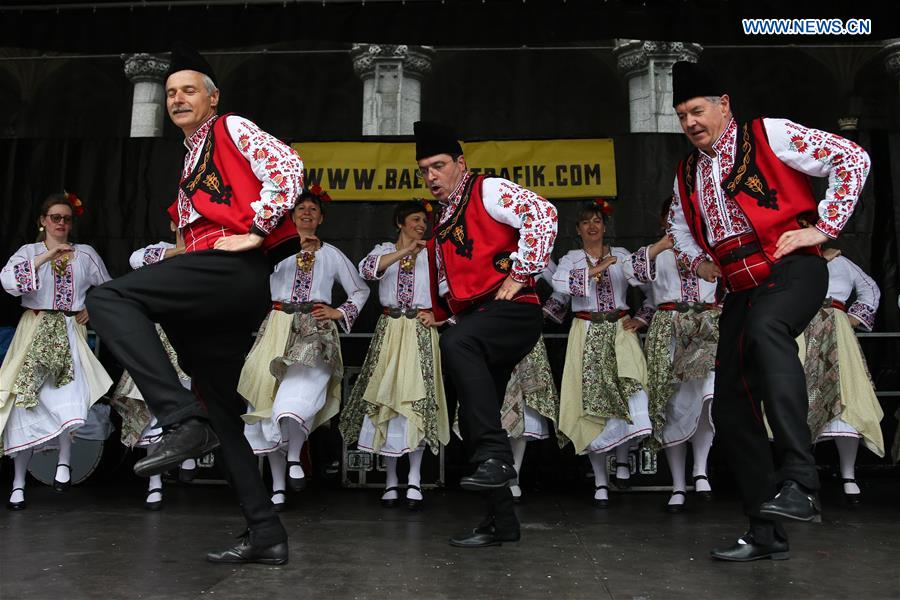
column 398, row 288
column 587, row 294
column 557, row 305
column 291, row 284
column 275, row 164
column 844, row 278
column 46, row 289
column 668, row 282
column 810, row 151
column 148, row 255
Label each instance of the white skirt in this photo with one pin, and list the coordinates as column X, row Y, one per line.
column 620, row 431
column 536, row 425
column 59, row 410
column 838, row 428
column 685, row 409
column 300, row 397
column 396, row 441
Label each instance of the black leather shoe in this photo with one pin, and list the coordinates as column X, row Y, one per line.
column 853, row 500
column 705, row 495
column 187, row 475
column 746, row 549
column 22, row 505
column 413, row 503
column 675, row 509
column 153, row 505
column 479, row 538
column 62, row 486
column 390, row 502
column 792, row 502
column 189, row 439
column 245, row 552
column 296, row 484
column 601, row 502
column 490, row 475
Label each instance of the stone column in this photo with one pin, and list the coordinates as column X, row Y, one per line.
column 148, row 107
column 648, row 68
column 392, row 85
column 892, row 59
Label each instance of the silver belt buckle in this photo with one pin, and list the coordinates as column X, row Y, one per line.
column 683, row 307
column 411, row 313
column 395, row 312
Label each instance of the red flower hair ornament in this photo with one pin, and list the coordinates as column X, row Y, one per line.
column 317, row 191
column 75, row 202
column 605, row 207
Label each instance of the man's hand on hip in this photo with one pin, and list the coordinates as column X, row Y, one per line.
column 798, row 238
column 508, row 289
column 239, row 243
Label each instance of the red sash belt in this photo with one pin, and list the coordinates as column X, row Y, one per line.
column 202, row 234
column 743, row 263
column 598, row 317
column 832, row 303
column 683, row 307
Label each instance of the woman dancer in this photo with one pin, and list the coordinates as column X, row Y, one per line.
column 50, row 377
column 603, row 405
column 397, row 405
column 292, row 377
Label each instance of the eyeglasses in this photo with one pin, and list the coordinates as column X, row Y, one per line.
column 437, row 167
column 57, row 218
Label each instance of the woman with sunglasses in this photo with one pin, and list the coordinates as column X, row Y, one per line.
column 50, row 377
column 292, row 376
column 397, row 405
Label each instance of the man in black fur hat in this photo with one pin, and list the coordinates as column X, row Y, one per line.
column 237, row 184
column 491, row 238
column 744, row 211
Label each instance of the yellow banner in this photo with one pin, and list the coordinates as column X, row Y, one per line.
column 387, row 171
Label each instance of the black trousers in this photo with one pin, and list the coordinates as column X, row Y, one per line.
column 757, row 368
column 478, row 355
column 209, row 303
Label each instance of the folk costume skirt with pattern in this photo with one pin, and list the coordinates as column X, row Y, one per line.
column 293, row 371
column 531, row 400
column 842, row 401
column 602, row 399
column 681, row 356
column 48, row 380
column 398, row 402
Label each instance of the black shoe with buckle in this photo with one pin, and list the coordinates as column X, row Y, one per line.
column 623, row 484
column 245, row 552
column 188, row 439
column 747, row 549
column 157, row 505
column 601, row 502
column 21, row 504
column 675, row 509
column 792, row 502
column 187, row 475
column 62, row 486
column 389, row 502
column 853, row 500
column 279, row 506
column 490, row 475
column 413, row 503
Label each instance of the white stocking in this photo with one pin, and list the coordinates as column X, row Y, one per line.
column 296, row 439
column 598, row 462
column 20, row 462
column 847, row 447
column 415, row 473
column 390, row 463
column 676, row 456
column 277, row 465
column 65, row 456
column 622, row 457
column 701, row 442
column 518, row 451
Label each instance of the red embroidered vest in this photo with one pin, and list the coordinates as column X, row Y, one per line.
column 774, row 197
column 475, row 249
column 222, row 186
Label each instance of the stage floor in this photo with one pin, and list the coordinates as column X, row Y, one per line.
column 98, row 542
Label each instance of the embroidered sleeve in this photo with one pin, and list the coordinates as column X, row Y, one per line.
column 147, row 256
column 868, row 296
column 19, row 276
column 533, row 216
column 356, row 289
column 822, row 154
column 687, row 251
column 648, row 307
column 368, row 268
column 570, row 280
column 277, row 166
column 641, row 267
column 556, row 307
